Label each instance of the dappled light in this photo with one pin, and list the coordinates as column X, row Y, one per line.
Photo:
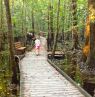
column 86, row 48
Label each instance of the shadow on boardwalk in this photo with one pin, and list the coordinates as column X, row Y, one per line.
column 40, row 79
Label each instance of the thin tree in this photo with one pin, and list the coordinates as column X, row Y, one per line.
column 33, row 19
column 74, row 24
column 33, row 27
column 23, row 16
column 10, row 32
column 63, row 21
column 24, row 28
column 1, row 25
column 50, row 39
column 51, row 17
column 56, row 34
column 87, row 36
column 13, row 65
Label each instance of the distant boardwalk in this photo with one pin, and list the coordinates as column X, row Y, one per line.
column 40, row 79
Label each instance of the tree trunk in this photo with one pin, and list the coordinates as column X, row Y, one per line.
column 56, row 34
column 23, row 18
column 87, row 36
column 1, row 26
column 1, row 14
column 24, row 28
column 33, row 21
column 50, row 38
column 63, row 21
column 51, row 25
column 74, row 24
column 91, row 56
column 11, row 47
column 10, row 33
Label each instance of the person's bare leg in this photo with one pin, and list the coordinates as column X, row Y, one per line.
column 36, row 51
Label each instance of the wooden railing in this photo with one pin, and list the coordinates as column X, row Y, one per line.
column 70, row 80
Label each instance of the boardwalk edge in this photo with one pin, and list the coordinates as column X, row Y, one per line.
column 69, row 79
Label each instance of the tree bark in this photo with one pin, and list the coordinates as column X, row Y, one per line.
column 74, row 25
column 90, row 62
column 87, row 36
column 56, row 34
column 63, row 21
column 13, row 65
column 33, row 27
column 1, row 26
column 50, row 38
column 23, row 17
column 51, row 17
column 10, row 33
column 91, row 57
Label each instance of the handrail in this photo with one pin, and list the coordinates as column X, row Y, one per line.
column 69, row 79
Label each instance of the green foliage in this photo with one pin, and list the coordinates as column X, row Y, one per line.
column 72, row 70
column 21, row 11
column 78, row 76
column 4, row 73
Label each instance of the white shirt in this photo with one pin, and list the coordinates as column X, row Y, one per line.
column 37, row 42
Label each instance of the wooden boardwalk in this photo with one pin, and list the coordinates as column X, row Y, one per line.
column 40, row 79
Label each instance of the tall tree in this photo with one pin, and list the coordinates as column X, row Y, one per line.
column 33, row 27
column 56, row 34
column 63, row 20
column 23, row 16
column 1, row 25
column 91, row 56
column 50, row 26
column 87, row 36
column 48, row 38
column 10, row 33
column 33, row 20
column 13, row 65
column 24, row 28
column 89, row 49
column 74, row 24
column 51, row 17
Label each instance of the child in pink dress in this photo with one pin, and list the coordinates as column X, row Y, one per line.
column 37, row 46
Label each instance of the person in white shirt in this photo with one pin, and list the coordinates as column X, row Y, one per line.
column 37, row 45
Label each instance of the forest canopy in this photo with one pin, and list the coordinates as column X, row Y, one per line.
column 25, row 12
